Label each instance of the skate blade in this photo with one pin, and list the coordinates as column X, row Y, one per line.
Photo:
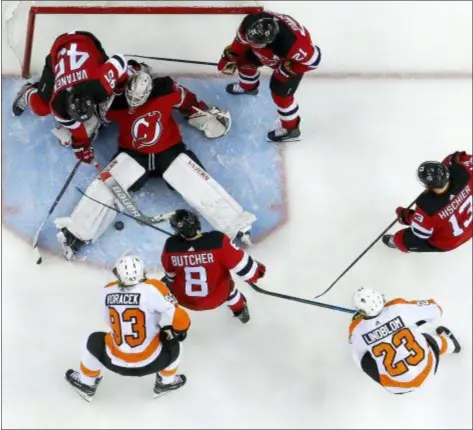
column 86, row 397
column 292, row 139
column 157, row 396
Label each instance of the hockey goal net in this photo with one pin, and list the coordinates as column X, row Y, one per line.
column 191, row 30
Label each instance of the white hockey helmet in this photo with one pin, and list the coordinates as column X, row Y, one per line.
column 138, row 89
column 129, row 270
column 368, row 302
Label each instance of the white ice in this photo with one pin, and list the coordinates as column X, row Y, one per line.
column 291, row 365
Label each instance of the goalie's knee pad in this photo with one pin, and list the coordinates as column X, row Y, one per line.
column 89, row 219
column 208, row 197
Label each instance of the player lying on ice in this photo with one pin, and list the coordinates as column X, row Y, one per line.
column 78, row 80
column 199, row 266
column 389, row 345
column 145, row 328
column 442, row 220
column 281, row 43
column 150, row 144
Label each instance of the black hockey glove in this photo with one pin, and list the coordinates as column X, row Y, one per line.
column 170, row 335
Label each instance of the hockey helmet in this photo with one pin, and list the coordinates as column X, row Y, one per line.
column 80, row 106
column 263, row 31
column 129, row 270
column 185, row 223
column 433, row 174
column 138, row 89
column 368, row 302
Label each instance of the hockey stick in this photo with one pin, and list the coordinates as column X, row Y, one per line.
column 174, row 60
column 36, row 252
column 363, row 253
column 124, row 198
column 254, row 286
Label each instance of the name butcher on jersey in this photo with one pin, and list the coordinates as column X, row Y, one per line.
column 192, row 260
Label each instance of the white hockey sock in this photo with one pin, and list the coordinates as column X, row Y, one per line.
column 445, row 344
column 169, row 373
column 90, row 368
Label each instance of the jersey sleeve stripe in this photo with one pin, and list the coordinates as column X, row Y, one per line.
column 315, row 59
column 119, row 62
column 242, row 264
column 183, row 96
column 71, row 124
column 420, row 231
column 249, row 271
column 241, row 39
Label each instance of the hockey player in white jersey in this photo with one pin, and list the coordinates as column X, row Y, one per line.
column 389, row 344
column 146, row 326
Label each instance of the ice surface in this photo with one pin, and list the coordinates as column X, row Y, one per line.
column 291, row 366
column 243, row 162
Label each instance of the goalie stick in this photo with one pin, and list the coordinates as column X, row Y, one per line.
column 254, row 286
column 36, row 253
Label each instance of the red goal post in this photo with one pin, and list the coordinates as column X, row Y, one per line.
column 232, row 9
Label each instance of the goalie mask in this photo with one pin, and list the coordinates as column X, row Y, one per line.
column 138, row 89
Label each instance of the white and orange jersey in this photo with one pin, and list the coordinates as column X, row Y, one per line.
column 135, row 315
column 402, row 354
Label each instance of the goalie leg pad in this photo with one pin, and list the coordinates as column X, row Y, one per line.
column 89, row 220
column 208, row 197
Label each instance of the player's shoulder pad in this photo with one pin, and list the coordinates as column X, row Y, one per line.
column 162, row 86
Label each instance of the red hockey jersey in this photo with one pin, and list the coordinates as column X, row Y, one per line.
column 292, row 43
column 199, row 270
column 445, row 220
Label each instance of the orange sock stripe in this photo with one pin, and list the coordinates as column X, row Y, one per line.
column 444, row 347
column 171, row 372
column 88, row 372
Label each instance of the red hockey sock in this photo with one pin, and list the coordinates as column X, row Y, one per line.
column 36, row 103
column 287, row 110
column 236, row 301
column 248, row 77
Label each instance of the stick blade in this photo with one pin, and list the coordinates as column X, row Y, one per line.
column 37, row 256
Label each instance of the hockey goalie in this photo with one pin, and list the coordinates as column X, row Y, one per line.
column 150, row 145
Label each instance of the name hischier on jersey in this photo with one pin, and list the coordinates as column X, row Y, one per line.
column 122, row 299
column 455, row 204
column 382, row 331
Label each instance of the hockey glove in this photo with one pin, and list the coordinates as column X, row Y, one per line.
column 227, row 64
column 260, row 272
column 170, row 335
column 404, row 216
column 83, row 151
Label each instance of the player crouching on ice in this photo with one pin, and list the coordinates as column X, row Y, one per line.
column 146, row 326
column 198, row 267
column 150, row 144
column 389, row 345
column 442, row 220
column 281, row 43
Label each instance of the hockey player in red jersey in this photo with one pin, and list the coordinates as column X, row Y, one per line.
column 280, row 42
column 198, row 265
column 150, row 145
column 442, row 219
column 77, row 77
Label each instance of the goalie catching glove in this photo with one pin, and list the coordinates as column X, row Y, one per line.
column 213, row 122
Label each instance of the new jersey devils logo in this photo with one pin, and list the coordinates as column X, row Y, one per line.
column 146, row 130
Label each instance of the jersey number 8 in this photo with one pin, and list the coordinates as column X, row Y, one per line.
column 196, row 281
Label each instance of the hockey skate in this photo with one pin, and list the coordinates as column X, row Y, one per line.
column 69, row 243
column 243, row 315
column 21, row 100
column 284, row 135
column 87, row 392
column 160, row 389
column 388, row 240
column 236, row 89
column 446, row 332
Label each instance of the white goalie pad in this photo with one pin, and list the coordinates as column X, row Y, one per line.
column 89, row 219
column 213, row 123
column 208, row 197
